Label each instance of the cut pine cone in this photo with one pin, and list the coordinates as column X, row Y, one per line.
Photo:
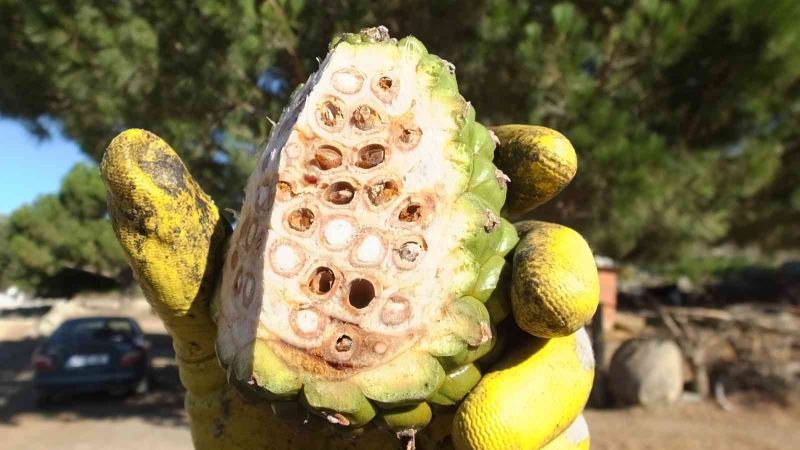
column 368, row 242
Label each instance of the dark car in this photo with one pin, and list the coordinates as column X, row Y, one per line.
column 92, row 354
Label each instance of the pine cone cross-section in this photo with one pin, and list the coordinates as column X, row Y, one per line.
column 368, row 242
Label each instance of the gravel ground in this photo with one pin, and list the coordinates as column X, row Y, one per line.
column 156, row 421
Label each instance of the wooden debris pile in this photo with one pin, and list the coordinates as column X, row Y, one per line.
column 748, row 346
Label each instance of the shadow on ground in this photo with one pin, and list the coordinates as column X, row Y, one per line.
column 163, row 405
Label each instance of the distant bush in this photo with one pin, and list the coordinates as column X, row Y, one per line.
column 62, row 242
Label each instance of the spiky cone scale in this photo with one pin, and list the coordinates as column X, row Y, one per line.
column 554, row 285
column 499, row 302
column 531, row 398
column 369, row 238
column 407, row 418
column 540, row 161
column 456, row 385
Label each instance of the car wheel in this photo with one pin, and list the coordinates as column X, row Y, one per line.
column 42, row 398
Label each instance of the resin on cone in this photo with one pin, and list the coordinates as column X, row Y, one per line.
column 369, row 239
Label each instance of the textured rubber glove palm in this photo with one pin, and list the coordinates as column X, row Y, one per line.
column 175, row 239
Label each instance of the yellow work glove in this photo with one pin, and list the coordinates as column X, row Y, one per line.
column 175, row 241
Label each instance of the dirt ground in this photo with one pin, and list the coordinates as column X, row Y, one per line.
column 699, row 425
column 156, row 421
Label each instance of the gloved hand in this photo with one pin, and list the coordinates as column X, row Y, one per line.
column 175, row 240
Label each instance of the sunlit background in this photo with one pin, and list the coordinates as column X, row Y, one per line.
column 32, row 166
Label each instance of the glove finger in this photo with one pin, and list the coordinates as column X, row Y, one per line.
column 575, row 437
column 171, row 233
column 530, row 397
column 539, row 161
column 554, row 285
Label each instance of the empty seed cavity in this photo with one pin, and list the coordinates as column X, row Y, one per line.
column 327, row 157
column 347, row 80
column 300, row 219
column 409, row 252
column 382, row 192
column 385, row 88
column 340, row 193
column 361, row 294
column 284, row 190
column 405, row 134
column 411, row 212
column 344, row 343
column 321, row 280
column 330, row 114
column 365, row 118
column 371, row 156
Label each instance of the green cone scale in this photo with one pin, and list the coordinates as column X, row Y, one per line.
column 368, row 242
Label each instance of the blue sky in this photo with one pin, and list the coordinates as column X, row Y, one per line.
column 30, row 167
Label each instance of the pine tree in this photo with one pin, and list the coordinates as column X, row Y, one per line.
column 684, row 112
column 68, row 230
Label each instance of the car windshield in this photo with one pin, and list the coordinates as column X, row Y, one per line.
column 88, row 330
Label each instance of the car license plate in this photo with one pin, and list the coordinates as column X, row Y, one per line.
column 77, row 361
